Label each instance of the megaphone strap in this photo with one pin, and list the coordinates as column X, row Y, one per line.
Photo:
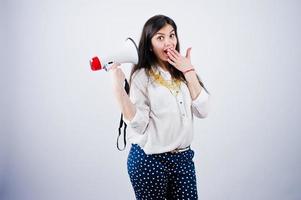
column 119, row 133
column 121, row 123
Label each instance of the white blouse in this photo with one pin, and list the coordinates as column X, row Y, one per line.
column 163, row 122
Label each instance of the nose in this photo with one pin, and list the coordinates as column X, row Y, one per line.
column 168, row 43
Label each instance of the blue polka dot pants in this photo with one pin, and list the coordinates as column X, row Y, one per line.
column 165, row 176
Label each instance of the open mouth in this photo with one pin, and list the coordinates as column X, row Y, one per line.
column 166, row 50
column 165, row 53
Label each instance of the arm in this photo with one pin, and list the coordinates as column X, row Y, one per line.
column 200, row 98
column 135, row 108
column 126, row 106
column 193, row 84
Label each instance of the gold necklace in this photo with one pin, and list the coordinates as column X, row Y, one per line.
column 173, row 85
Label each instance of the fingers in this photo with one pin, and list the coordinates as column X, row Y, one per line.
column 173, row 53
column 114, row 65
column 118, row 78
column 188, row 53
column 176, row 52
column 120, row 73
column 171, row 62
column 171, row 56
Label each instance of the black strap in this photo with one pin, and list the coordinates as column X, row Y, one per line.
column 121, row 123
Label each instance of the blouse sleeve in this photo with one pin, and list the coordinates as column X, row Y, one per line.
column 138, row 96
column 200, row 106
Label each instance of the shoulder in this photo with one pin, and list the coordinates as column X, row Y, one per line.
column 140, row 76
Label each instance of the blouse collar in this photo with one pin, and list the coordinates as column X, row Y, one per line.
column 165, row 74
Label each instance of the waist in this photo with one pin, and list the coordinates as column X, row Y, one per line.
column 179, row 150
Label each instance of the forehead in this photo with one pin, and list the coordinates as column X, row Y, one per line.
column 166, row 29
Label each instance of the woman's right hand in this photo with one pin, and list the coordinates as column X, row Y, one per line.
column 128, row 109
column 118, row 76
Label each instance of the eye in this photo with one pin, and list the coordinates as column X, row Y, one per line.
column 160, row 38
column 172, row 35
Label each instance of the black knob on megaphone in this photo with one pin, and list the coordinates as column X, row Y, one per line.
column 127, row 53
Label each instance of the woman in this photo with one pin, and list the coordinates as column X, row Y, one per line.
column 165, row 95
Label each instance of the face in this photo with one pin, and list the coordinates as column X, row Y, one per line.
column 164, row 39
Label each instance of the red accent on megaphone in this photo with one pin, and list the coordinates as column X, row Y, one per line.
column 95, row 64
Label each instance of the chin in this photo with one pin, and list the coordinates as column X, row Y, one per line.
column 164, row 58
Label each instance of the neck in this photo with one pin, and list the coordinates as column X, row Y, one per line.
column 163, row 65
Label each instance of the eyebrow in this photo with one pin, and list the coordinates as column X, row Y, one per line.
column 158, row 33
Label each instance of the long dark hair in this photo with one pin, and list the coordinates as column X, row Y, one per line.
column 146, row 57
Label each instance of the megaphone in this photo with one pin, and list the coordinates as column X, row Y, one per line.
column 127, row 53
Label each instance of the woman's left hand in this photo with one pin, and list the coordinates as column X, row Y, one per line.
column 178, row 61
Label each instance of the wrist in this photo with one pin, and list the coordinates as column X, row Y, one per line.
column 118, row 87
column 191, row 69
column 190, row 74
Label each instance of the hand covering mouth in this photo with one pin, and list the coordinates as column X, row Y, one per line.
column 165, row 50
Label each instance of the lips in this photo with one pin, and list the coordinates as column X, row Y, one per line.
column 166, row 50
column 164, row 53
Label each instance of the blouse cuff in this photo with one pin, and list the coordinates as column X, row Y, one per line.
column 138, row 123
column 203, row 97
column 134, row 120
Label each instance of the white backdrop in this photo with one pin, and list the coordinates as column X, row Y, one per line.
column 59, row 119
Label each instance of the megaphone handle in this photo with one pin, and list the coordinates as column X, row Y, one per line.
column 126, row 86
column 127, row 89
column 108, row 66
